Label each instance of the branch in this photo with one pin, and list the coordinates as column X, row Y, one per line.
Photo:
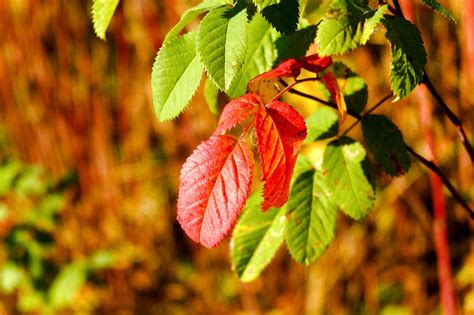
column 451, row 116
column 367, row 113
column 433, row 167
column 444, row 107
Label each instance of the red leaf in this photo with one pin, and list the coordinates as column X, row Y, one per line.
column 330, row 81
column 280, row 134
column 214, row 185
column 315, row 63
column 236, row 111
column 287, row 68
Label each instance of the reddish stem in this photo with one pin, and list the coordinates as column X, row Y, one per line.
column 440, row 234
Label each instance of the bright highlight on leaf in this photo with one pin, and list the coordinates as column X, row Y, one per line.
column 385, row 141
column 350, row 25
column 102, row 12
column 175, row 77
column 214, row 184
column 222, row 44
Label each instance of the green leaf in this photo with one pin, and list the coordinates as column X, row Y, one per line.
column 67, row 284
column 256, row 238
column 350, row 25
column 175, row 77
column 353, row 87
column 222, row 40
column 211, row 95
column 296, row 44
column 192, row 13
column 284, row 16
column 312, row 218
column 435, row 5
column 408, row 55
column 262, row 4
column 385, row 141
column 260, row 55
column 102, row 12
column 348, row 176
column 322, row 124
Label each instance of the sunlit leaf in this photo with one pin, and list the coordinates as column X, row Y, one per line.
column 349, row 25
column 348, row 174
column 238, row 110
column 322, row 124
column 175, row 77
column 214, row 185
column 312, row 217
column 408, row 55
column 260, row 54
column 192, row 13
column 256, row 238
column 222, row 44
column 102, row 12
column 330, row 82
column 280, row 134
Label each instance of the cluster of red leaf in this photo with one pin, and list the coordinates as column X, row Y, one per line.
column 215, row 180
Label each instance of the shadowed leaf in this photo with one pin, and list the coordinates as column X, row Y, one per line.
column 385, row 141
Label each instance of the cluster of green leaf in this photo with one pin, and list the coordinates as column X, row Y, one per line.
column 343, row 179
column 29, row 214
column 236, row 41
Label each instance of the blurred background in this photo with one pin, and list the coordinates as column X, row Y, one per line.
column 88, row 179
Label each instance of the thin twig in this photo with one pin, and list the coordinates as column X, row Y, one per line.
column 385, row 98
column 291, row 85
column 451, row 116
column 433, row 167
